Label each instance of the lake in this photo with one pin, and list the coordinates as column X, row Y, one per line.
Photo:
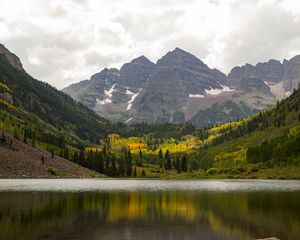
column 149, row 209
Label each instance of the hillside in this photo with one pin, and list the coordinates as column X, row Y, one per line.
column 20, row 160
column 47, row 103
column 265, row 145
column 267, row 140
column 43, row 118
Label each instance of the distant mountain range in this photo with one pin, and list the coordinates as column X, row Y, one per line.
column 180, row 88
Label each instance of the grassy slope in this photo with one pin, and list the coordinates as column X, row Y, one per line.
column 51, row 105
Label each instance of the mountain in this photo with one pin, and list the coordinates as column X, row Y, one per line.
column 267, row 142
column 37, row 102
column 169, row 91
column 179, row 87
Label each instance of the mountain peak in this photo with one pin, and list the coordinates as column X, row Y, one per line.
column 179, row 57
column 179, row 50
column 11, row 58
column 295, row 59
column 142, row 60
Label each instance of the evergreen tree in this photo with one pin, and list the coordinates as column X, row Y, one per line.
column 141, row 154
column 168, row 164
column 113, row 168
column 121, row 169
column 107, row 167
column 104, row 152
column 3, row 138
column 129, row 164
column 81, row 157
column 75, row 157
column 33, row 141
column 25, row 138
column 100, row 162
column 16, row 134
column 184, row 164
column 143, row 173
column 160, row 158
column 178, row 165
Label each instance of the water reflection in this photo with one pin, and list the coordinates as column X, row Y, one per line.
column 149, row 215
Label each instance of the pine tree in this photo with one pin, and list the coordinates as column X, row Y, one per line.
column 143, row 173
column 168, row 164
column 81, row 157
column 25, row 137
column 66, row 153
column 129, row 164
column 107, row 168
column 184, row 164
column 33, row 141
column 121, row 169
column 141, row 154
column 113, row 168
column 178, row 165
column 3, row 138
column 160, row 158
column 75, row 157
column 16, row 134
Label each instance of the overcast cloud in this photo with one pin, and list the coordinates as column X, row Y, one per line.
column 62, row 42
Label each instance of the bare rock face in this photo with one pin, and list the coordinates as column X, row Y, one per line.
column 180, row 87
column 136, row 73
column 291, row 77
column 281, row 78
column 271, row 71
column 146, row 91
column 249, row 84
column 11, row 58
column 177, row 75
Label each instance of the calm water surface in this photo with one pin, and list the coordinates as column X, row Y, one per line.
column 149, row 209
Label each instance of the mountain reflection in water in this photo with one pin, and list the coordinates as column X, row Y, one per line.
column 149, row 215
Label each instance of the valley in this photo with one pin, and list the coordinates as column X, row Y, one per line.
column 43, row 122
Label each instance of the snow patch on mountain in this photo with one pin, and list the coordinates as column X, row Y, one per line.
column 196, row 95
column 217, row 91
column 130, row 102
column 102, row 102
column 110, row 91
column 128, row 120
column 128, row 92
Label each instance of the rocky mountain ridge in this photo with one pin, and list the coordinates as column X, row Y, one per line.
column 179, row 86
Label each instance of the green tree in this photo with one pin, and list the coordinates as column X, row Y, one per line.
column 134, row 172
column 113, row 167
column 129, row 164
column 168, row 162
column 184, row 167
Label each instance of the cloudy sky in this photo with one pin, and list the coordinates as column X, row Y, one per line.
column 63, row 42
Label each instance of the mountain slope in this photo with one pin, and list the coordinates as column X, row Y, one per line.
column 21, row 160
column 180, row 88
column 269, row 139
column 169, row 91
column 47, row 103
